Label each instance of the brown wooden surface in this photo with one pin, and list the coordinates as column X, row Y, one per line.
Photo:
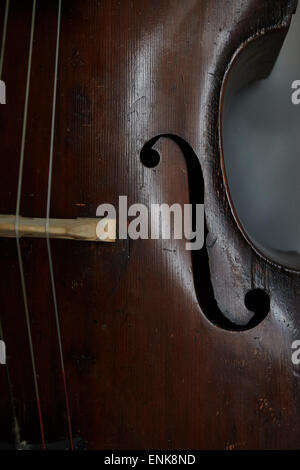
column 148, row 364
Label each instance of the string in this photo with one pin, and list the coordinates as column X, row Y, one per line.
column 1, row 68
column 47, row 228
column 20, row 260
column 4, row 36
column 14, row 415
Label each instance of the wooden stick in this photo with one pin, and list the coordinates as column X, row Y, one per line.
column 70, row 229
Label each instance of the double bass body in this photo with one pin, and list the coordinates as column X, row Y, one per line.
column 158, row 347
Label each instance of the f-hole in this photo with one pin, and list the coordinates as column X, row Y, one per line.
column 201, row 272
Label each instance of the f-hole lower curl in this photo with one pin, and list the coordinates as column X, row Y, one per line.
column 201, row 273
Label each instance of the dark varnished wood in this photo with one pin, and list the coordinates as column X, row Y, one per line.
column 146, row 364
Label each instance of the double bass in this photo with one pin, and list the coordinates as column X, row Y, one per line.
column 136, row 344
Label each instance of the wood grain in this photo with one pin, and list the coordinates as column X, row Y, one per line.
column 147, row 365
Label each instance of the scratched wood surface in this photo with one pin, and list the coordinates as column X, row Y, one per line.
column 148, row 361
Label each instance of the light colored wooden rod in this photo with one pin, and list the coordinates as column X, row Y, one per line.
column 70, row 229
